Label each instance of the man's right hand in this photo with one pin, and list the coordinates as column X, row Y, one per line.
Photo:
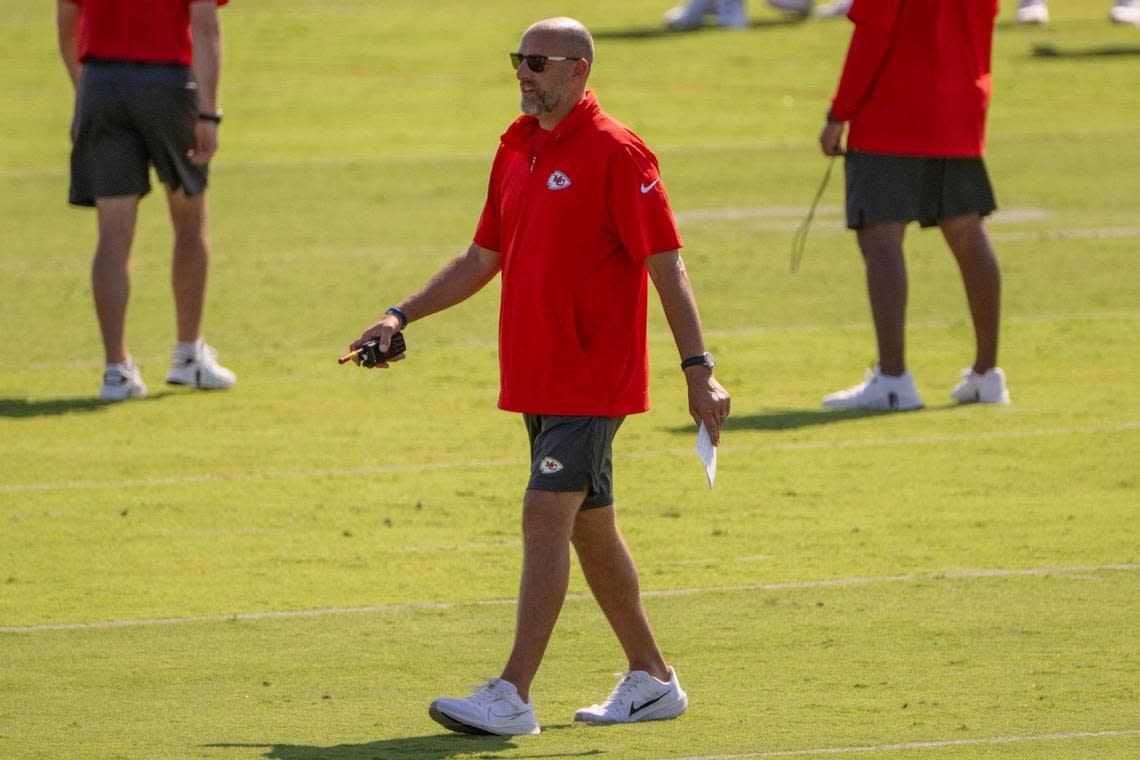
column 383, row 330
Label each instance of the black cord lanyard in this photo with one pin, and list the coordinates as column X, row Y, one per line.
column 799, row 240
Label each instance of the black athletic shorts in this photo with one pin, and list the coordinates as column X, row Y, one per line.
column 886, row 188
column 573, row 454
column 129, row 117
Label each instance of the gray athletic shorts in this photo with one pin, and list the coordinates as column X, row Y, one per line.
column 573, row 454
column 129, row 117
column 886, row 188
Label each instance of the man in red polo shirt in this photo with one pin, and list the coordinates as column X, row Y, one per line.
column 575, row 216
column 915, row 89
column 146, row 78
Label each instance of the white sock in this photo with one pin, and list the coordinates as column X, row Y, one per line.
column 188, row 349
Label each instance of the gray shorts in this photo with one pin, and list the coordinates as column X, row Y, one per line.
column 129, row 117
column 573, row 454
column 886, row 188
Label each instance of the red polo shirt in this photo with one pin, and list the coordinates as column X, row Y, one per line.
column 574, row 230
column 917, row 77
column 147, row 31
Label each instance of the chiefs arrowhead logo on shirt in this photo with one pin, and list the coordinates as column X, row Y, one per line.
column 550, row 465
column 557, row 181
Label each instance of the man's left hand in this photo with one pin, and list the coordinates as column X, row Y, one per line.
column 708, row 401
column 205, row 142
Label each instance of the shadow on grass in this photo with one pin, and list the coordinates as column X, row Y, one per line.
column 1102, row 51
column 431, row 747
column 652, row 31
column 21, row 407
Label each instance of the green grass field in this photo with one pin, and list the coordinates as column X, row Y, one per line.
column 295, row 568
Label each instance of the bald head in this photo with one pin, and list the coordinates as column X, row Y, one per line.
column 565, row 36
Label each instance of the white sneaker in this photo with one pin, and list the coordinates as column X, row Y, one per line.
column 1032, row 12
column 732, row 14
column 878, row 391
column 121, row 382
column 834, row 10
column 638, row 696
column 689, row 16
column 987, row 388
column 1125, row 12
column 493, row 708
column 200, row 369
column 802, row 7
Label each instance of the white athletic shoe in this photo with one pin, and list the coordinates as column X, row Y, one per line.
column 878, row 391
column 732, row 14
column 802, row 7
column 689, row 16
column 638, row 696
column 121, row 382
column 493, row 708
column 987, row 388
column 200, row 369
column 834, row 10
column 1125, row 12
column 1032, row 12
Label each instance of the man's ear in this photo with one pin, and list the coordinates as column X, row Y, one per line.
column 582, row 69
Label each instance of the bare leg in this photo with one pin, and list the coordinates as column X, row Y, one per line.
column 191, row 261
column 110, row 277
column 547, row 521
column 610, row 571
column 981, row 274
column 881, row 245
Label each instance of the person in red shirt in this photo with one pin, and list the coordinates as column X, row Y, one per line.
column 915, row 90
column 575, row 216
column 146, row 79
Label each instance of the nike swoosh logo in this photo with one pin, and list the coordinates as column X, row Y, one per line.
column 646, row 188
column 638, row 708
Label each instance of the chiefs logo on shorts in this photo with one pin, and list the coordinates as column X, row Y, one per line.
column 549, row 466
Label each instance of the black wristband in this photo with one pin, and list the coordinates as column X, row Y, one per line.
column 207, row 116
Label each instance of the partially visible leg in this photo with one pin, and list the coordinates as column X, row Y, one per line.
column 881, row 245
column 609, row 569
column 110, row 276
column 191, row 261
column 547, row 522
column 981, row 275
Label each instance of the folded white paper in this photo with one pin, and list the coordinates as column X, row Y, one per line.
column 707, row 452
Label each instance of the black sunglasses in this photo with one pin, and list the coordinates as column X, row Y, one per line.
column 537, row 63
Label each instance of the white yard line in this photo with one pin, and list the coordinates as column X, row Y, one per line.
column 70, row 485
column 381, row 608
column 655, row 337
column 1067, row 736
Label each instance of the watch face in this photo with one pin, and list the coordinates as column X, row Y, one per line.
column 709, row 361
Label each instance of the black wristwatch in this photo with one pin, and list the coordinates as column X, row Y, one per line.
column 215, row 117
column 700, row 360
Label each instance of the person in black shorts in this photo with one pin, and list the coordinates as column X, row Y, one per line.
column 915, row 92
column 146, row 95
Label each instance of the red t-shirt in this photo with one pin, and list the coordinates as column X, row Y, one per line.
column 574, row 230
column 148, row 31
column 917, row 77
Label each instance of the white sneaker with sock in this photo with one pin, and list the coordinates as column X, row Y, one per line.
column 638, row 696
column 986, row 388
column 121, row 382
column 1032, row 12
column 732, row 14
column 1125, row 12
column 493, row 708
column 878, row 391
column 834, row 10
column 689, row 16
column 197, row 364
